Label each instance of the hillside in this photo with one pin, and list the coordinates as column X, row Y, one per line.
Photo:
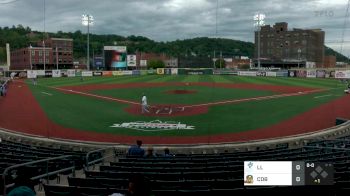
column 23, row 36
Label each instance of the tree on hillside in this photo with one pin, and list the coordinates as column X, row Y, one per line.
column 220, row 63
column 154, row 64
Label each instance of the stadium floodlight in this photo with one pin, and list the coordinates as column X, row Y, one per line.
column 87, row 20
column 258, row 22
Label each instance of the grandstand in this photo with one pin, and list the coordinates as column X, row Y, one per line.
column 107, row 170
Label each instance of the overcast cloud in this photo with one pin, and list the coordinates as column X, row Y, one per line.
column 167, row 20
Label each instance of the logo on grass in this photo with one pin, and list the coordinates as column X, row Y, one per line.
column 155, row 125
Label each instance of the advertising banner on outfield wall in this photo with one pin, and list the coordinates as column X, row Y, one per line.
column 78, row 73
column 160, row 71
column 247, row 73
column 136, row 72
column 301, row 73
column 117, row 73
column 173, row 71
column 167, row 71
column 311, row 73
column 31, row 74
column 342, row 74
column 86, row 73
column 127, row 73
column 144, row 72
column 64, row 73
column 107, row 73
column 40, row 72
column 261, row 73
column 97, row 73
column 321, row 74
column 291, row 73
column 332, row 74
column 70, row 73
column 56, row 73
column 151, row 71
column 195, row 71
column 225, row 72
column 271, row 74
column 282, row 73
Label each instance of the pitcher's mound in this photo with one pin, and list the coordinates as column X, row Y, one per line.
column 181, row 92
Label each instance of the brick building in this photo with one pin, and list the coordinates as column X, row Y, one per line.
column 281, row 47
column 58, row 52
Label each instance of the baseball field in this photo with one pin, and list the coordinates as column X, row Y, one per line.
column 182, row 109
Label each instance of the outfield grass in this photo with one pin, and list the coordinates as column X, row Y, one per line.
column 97, row 115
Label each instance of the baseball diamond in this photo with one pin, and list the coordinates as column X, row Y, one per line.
column 209, row 108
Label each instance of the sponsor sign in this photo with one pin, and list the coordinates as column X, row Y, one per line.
column 86, row 73
column 321, row 74
column 48, row 73
column 136, row 72
column 291, row 73
column 31, row 74
column 224, row 72
column 342, row 74
column 160, row 71
column 173, row 71
column 247, row 73
column 40, row 72
column 167, row 71
column 151, row 71
column 56, row 73
column 64, row 73
column 143, row 63
column 283, row 73
column 131, row 60
column 311, row 73
column 107, row 73
column 261, row 73
column 301, row 73
column 271, row 74
column 126, row 73
column 115, row 48
column 155, row 125
column 71, row 73
column 97, row 73
column 78, row 73
column 117, row 73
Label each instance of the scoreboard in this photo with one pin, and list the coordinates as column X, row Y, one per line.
column 287, row 173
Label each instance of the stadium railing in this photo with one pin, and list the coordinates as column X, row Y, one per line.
column 47, row 174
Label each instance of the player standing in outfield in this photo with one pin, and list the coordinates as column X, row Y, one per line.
column 144, row 104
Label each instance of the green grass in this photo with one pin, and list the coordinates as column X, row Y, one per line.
column 96, row 115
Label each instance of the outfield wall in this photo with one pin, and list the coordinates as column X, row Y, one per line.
column 295, row 73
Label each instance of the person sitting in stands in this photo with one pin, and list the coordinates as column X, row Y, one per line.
column 150, row 152
column 136, row 150
column 24, row 186
column 167, row 153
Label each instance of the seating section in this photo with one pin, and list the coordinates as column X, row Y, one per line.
column 12, row 153
column 182, row 174
column 199, row 174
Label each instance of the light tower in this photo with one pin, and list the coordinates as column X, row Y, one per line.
column 87, row 20
column 258, row 22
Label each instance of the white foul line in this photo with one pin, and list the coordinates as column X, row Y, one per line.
column 323, row 96
column 97, row 96
column 49, row 94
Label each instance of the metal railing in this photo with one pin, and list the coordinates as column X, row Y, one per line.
column 102, row 150
column 47, row 174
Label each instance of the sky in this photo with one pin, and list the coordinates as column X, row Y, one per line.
column 168, row 20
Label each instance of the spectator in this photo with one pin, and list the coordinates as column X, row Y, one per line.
column 24, row 186
column 136, row 150
column 150, row 152
column 138, row 186
column 167, row 153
